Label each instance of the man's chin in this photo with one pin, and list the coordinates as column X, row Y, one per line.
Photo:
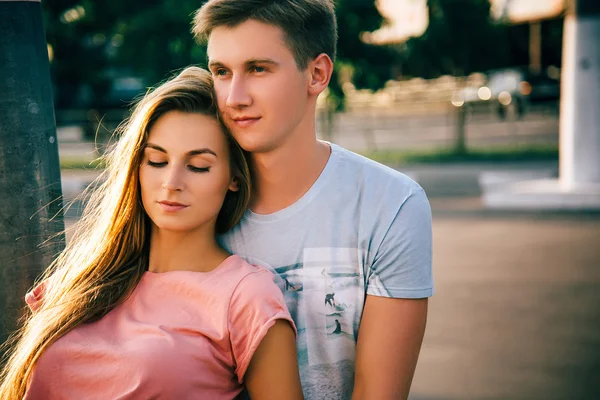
column 247, row 139
column 256, row 146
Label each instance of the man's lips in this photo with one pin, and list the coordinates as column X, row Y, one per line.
column 244, row 121
column 171, row 206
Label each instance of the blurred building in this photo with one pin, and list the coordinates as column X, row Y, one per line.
column 534, row 35
column 522, row 11
column 408, row 18
column 534, row 27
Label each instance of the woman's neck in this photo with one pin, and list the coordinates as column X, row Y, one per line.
column 189, row 251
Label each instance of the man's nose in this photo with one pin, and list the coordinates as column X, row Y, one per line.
column 238, row 95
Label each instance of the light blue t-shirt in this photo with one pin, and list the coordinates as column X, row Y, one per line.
column 362, row 228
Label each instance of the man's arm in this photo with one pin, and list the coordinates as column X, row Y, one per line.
column 389, row 340
column 394, row 316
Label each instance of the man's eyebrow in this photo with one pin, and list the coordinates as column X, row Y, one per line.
column 215, row 64
column 253, row 61
column 190, row 153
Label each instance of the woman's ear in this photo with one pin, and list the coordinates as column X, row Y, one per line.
column 234, row 185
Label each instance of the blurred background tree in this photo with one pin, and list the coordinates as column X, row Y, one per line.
column 366, row 65
column 461, row 38
column 93, row 43
column 156, row 38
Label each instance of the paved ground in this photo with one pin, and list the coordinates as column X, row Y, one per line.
column 517, row 309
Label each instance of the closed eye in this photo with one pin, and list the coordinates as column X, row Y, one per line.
column 157, row 164
column 198, row 169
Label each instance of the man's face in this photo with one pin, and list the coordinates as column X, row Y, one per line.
column 261, row 93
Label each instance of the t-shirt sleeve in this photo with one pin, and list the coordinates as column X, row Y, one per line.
column 35, row 297
column 402, row 265
column 256, row 304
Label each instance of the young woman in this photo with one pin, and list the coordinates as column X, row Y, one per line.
column 143, row 303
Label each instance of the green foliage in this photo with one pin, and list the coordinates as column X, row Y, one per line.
column 461, row 38
column 496, row 154
column 75, row 59
column 371, row 65
column 151, row 39
column 157, row 39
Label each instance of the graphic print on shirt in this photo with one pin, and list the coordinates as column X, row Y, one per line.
column 325, row 295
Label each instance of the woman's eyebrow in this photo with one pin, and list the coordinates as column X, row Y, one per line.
column 190, row 153
column 156, row 147
column 205, row 150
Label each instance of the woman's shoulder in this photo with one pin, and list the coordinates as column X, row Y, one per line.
column 235, row 264
column 250, row 279
column 256, row 296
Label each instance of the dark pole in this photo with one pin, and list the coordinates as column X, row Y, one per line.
column 30, row 189
column 460, row 143
column 535, row 46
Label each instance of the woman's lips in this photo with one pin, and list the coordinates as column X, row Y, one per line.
column 171, row 207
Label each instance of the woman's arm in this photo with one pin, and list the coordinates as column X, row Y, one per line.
column 273, row 370
column 35, row 297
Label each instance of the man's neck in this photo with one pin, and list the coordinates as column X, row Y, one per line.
column 283, row 176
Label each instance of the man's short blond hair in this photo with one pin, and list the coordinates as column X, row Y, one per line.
column 309, row 26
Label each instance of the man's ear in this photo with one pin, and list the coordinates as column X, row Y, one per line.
column 234, row 184
column 320, row 70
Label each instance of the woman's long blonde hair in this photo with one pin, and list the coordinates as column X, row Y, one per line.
column 108, row 253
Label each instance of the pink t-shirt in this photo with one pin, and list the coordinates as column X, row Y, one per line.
column 180, row 335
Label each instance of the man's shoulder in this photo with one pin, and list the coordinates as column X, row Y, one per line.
column 372, row 175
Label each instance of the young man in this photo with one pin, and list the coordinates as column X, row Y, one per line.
column 332, row 224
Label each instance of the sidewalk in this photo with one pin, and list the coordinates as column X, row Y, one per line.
column 516, row 314
column 75, row 180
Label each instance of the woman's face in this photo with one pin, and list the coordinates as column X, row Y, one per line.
column 185, row 172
